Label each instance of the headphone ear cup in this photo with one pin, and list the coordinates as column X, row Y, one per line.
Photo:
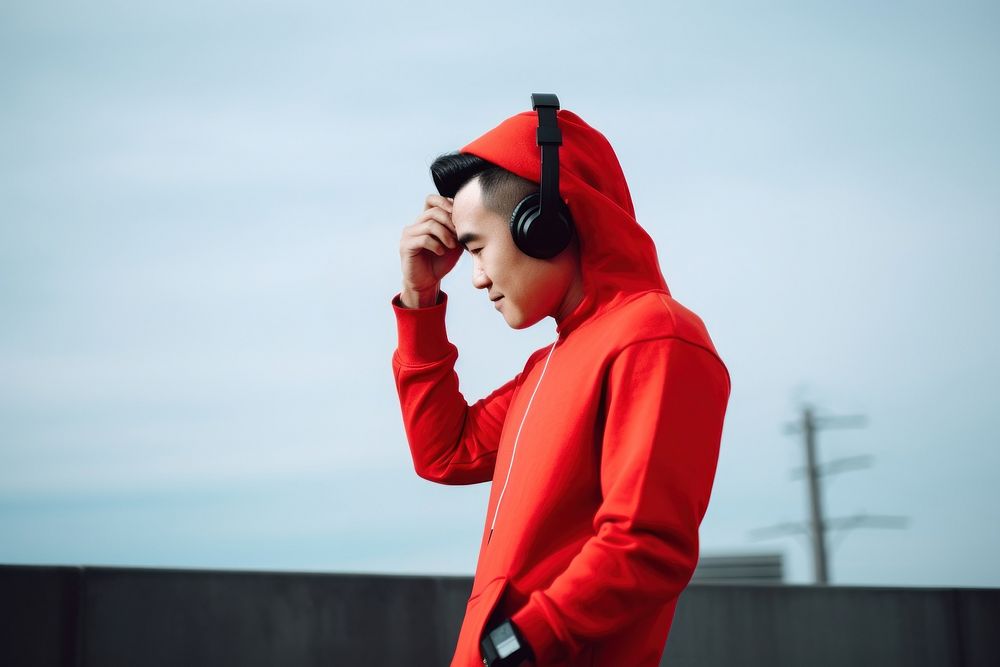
column 524, row 214
column 537, row 237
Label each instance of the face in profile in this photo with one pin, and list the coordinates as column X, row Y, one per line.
column 524, row 289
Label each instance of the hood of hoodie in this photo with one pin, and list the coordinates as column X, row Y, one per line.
column 617, row 257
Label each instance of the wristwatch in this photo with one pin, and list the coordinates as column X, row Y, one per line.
column 503, row 646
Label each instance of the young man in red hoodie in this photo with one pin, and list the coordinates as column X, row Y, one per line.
column 603, row 448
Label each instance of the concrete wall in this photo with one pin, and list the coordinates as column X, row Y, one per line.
column 835, row 626
column 87, row 617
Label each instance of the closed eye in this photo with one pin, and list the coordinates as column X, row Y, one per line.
column 474, row 251
column 468, row 238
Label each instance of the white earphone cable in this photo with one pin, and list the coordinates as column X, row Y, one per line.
column 518, row 437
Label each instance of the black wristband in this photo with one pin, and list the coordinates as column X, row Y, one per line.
column 504, row 646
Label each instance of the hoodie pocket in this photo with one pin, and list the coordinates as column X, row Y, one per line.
column 477, row 612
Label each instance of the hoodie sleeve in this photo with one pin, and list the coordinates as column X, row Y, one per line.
column 666, row 401
column 451, row 441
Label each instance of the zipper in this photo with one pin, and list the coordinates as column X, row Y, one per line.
column 518, row 437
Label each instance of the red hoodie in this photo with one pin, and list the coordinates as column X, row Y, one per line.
column 603, row 449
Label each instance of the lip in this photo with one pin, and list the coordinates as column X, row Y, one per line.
column 496, row 301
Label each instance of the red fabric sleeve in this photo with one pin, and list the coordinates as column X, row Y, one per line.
column 451, row 442
column 666, row 402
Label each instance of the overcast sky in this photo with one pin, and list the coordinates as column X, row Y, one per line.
column 200, row 208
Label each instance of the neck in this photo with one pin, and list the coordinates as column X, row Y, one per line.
column 572, row 298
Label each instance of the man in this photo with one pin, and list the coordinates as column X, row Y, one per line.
column 603, row 449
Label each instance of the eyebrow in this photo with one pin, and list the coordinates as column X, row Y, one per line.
column 467, row 238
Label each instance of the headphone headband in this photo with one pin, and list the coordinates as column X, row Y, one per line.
column 541, row 223
column 549, row 137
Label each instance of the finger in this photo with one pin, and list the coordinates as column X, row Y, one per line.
column 438, row 215
column 430, row 243
column 449, row 222
column 444, row 231
column 414, row 236
column 437, row 200
column 434, row 222
column 441, row 214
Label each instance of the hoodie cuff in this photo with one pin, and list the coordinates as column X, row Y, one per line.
column 421, row 332
column 534, row 626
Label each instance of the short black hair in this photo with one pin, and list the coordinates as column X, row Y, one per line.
column 502, row 189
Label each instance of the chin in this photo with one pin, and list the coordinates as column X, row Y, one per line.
column 518, row 322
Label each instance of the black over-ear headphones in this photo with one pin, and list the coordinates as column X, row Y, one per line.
column 541, row 223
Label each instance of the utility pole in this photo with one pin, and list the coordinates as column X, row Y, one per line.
column 815, row 499
column 817, row 526
column 817, row 529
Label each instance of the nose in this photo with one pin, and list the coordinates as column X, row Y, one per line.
column 479, row 278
